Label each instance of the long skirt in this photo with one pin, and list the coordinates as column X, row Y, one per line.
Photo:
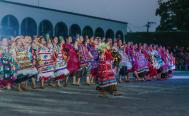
column 106, row 75
column 143, row 71
column 26, row 74
column 60, row 73
column 73, row 62
column 46, row 72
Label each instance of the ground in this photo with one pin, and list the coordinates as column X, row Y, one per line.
column 150, row 98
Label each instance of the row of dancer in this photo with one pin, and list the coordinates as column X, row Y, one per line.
column 99, row 61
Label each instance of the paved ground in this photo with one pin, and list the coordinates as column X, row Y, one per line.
column 152, row 98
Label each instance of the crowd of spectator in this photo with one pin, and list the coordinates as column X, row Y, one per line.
column 182, row 57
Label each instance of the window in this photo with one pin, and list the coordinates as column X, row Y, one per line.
column 75, row 30
column 61, row 29
column 45, row 27
column 87, row 31
column 10, row 26
column 29, row 27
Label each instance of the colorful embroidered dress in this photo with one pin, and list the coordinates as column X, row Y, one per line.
column 84, row 59
column 152, row 69
column 45, row 63
column 95, row 61
column 73, row 60
column 84, row 56
column 7, row 65
column 141, row 62
column 60, row 63
column 106, row 74
column 125, row 60
column 25, row 67
column 157, row 60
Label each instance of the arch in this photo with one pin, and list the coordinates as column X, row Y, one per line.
column 110, row 34
column 99, row 32
column 28, row 27
column 87, row 31
column 74, row 30
column 61, row 29
column 10, row 25
column 119, row 35
column 45, row 27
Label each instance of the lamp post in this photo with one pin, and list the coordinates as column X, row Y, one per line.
column 148, row 25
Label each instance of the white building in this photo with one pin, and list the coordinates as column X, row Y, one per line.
column 22, row 19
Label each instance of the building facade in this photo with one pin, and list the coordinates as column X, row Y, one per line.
column 21, row 19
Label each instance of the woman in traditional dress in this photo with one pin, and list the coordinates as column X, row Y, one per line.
column 25, row 68
column 152, row 69
column 158, row 63
column 171, row 64
column 72, row 59
column 92, row 47
column 32, row 57
column 84, row 58
column 7, row 65
column 116, row 56
column 164, row 55
column 45, row 61
column 124, row 66
column 61, row 71
column 141, row 65
column 106, row 81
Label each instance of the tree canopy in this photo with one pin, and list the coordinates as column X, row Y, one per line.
column 174, row 15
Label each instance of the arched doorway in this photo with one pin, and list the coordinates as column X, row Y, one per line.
column 10, row 26
column 99, row 32
column 119, row 35
column 45, row 27
column 61, row 29
column 110, row 34
column 75, row 30
column 87, row 31
column 29, row 27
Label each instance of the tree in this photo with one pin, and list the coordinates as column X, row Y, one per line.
column 174, row 15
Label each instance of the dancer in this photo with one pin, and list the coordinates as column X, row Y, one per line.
column 61, row 70
column 45, row 61
column 157, row 61
column 116, row 56
column 124, row 66
column 25, row 68
column 92, row 47
column 72, row 59
column 8, row 64
column 32, row 57
column 106, row 81
column 141, row 65
column 84, row 58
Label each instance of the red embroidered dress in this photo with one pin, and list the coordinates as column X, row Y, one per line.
column 106, row 75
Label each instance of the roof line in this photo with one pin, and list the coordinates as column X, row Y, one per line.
column 67, row 12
